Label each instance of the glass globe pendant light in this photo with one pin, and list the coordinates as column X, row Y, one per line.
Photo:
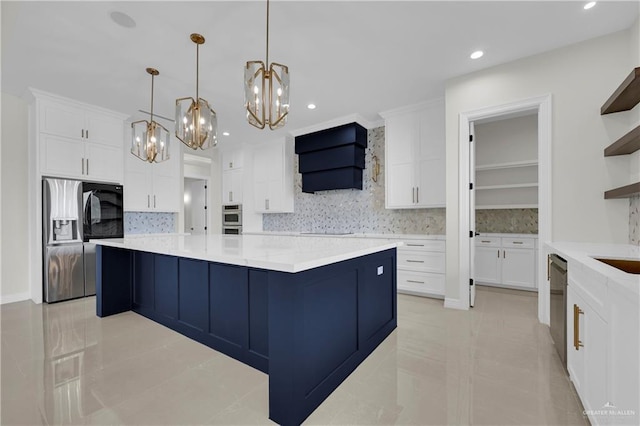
column 149, row 139
column 266, row 91
column 196, row 122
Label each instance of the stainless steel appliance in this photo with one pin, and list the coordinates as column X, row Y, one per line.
column 558, row 311
column 73, row 213
column 232, row 219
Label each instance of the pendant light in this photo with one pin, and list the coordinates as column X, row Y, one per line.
column 150, row 140
column 266, row 91
column 196, row 122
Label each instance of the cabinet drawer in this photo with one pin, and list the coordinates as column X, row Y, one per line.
column 518, row 242
column 421, row 282
column 424, row 245
column 487, row 241
column 428, row 261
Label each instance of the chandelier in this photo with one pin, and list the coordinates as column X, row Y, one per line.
column 149, row 139
column 196, row 122
column 266, row 91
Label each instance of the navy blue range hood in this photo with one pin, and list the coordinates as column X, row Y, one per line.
column 332, row 158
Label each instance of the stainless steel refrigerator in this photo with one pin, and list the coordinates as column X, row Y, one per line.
column 73, row 213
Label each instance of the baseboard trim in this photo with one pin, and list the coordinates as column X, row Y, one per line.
column 11, row 298
column 455, row 304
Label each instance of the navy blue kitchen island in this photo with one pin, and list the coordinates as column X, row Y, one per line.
column 307, row 322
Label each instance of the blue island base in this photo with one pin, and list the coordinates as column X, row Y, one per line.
column 308, row 330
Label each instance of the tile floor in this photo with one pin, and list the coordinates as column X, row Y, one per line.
column 491, row 365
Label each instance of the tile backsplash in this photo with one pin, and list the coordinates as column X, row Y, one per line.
column 507, row 221
column 149, row 222
column 352, row 210
column 634, row 220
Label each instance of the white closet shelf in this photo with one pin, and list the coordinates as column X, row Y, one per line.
column 508, row 186
column 506, row 206
column 509, row 165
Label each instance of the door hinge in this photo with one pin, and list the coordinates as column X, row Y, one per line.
column 470, row 138
column 205, row 228
column 470, row 282
column 470, row 186
column 470, row 234
column 205, row 207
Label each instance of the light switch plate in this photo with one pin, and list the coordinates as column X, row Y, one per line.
column 380, row 270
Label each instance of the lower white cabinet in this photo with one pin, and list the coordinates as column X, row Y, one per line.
column 506, row 261
column 421, row 267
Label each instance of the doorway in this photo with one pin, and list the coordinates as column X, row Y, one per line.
column 541, row 107
column 195, row 206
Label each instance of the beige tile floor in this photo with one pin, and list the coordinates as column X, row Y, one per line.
column 494, row 364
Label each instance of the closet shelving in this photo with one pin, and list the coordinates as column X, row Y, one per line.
column 509, row 185
column 624, row 98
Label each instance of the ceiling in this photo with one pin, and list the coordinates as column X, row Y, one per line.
column 348, row 57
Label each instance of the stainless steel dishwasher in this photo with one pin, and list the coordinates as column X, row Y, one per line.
column 558, row 311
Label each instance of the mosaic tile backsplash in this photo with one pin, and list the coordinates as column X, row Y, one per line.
column 352, row 210
column 149, row 222
column 507, row 221
column 634, row 220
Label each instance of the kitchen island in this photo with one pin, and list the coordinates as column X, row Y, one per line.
column 305, row 310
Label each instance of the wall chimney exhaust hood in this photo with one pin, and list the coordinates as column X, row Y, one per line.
column 332, row 158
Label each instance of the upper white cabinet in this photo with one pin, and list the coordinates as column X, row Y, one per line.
column 273, row 177
column 232, row 176
column 415, row 156
column 77, row 140
column 153, row 187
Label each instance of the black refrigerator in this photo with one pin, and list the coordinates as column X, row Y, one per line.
column 73, row 213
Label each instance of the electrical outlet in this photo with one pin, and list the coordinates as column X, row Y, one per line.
column 380, row 270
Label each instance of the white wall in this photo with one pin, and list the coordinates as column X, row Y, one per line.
column 508, row 140
column 14, row 272
column 579, row 78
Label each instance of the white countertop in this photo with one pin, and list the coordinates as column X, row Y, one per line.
column 582, row 255
column 395, row 237
column 274, row 252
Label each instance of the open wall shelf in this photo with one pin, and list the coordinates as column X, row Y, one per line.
column 626, row 96
column 627, row 144
column 627, row 191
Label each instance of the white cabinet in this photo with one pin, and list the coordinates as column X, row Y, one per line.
column 506, row 261
column 153, row 187
column 587, row 352
column 273, row 177
column 78, row 140
column 421, row 267
column 232, row 177
column 415, row 156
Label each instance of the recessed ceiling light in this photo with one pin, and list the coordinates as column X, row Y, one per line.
column 477, row 54
column 311, row 106
column 122, row 19
column 589, row 5
column 225, row 133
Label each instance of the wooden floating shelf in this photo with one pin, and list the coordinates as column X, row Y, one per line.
column 623, row 192
column 626, row 96
column 627, row 144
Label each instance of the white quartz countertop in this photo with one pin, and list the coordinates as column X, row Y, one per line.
column 395, row 237
column 274, row 252
column 583, row 254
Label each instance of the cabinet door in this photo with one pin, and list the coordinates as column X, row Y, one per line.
column 272, row 188
column 429, row 155
column 61, row 119
column 402, row 133
column 518, row 267
column 103, row 162
column 104, row 129
column 232, row 186
column 587, row 363
column 137, row 184
column 62, row 156
column 166, row 193
column 232, row 160
column 487, row 265
column 430, row 185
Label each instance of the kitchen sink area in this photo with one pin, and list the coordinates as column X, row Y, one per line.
column 629, row 266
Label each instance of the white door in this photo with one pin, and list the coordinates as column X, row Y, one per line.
column 472, row 213
column 198, row 207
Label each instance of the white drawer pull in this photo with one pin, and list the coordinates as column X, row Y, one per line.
column 415, row 245
column 517, row 242
column 415, row 261
column 485, row 241
column 415, row 282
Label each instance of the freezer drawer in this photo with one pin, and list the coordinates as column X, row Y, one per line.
column 63, row 272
